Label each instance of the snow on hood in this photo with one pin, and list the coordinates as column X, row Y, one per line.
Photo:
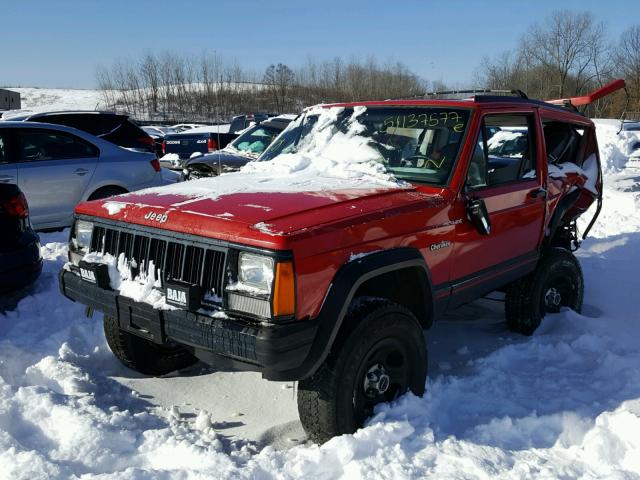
column 330, row 160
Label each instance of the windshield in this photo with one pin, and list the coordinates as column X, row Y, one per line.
column 255, row 140
column 413, row 143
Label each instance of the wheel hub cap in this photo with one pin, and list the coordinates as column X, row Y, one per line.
column 553, row 298
column 376, row 381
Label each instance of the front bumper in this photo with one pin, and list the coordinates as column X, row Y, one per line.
column 276, row 350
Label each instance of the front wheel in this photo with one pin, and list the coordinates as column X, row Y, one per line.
column 142, row 355
column 383, row 357
column 557, row 282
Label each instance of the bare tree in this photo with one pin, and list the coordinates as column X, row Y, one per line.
column 279, row 78
column 564, row 46
column 628, row 62
column 207, row 88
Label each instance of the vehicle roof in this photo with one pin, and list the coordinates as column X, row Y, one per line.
column 475, row 102
column 99, row 142
column 30, row 115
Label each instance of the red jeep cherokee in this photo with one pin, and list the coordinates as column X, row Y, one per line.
column 332, row 284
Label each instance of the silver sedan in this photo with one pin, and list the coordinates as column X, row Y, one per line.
column 57, row 167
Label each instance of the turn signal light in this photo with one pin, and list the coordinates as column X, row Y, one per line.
column 284, row 291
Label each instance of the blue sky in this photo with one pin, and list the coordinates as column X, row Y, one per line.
column 60, row 43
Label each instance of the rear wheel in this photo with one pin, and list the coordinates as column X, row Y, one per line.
column 105, row 192
column 556, row 283
column 383, row 357
column 142, row 355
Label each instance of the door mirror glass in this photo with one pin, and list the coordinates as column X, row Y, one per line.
column 478, row 215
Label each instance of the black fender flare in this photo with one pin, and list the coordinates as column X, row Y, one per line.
column 340, row 294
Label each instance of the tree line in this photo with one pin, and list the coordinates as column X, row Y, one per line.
column 570, row 54
column 208, row 88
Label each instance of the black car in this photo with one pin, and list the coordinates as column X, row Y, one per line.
column 238, row 153
column 113, row 127
column 20, row 260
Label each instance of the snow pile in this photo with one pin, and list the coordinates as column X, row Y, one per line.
column 330, row 160
column 145, row 286
column 564, row 403
column 615, row 145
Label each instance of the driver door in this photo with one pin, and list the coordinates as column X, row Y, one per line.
column 505, row 171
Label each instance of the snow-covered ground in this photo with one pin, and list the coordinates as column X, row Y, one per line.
column 54, row 99
column 564, row 403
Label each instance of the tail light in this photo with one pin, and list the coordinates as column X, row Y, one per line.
column 155, row 164
column 147, row 142
column 164, row 147
column 212, row 145
column 17, row 206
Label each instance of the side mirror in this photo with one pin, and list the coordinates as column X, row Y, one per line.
column 478, row 215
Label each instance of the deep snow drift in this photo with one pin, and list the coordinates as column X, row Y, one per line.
column 564, row 403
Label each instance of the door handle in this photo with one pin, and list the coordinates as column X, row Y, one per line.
column 6, row 178
column 81, row 171
column 538, row 192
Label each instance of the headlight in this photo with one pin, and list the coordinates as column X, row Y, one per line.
column 255, row 272
column 82, row 238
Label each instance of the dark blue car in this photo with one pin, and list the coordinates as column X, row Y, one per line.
column 20, row 259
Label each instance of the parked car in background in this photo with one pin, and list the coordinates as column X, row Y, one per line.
column 202, row 140
column 113, row 127
column 248, row 146
column 57, row 167
column 181, row 127
column 157, row 133
column 20, row 259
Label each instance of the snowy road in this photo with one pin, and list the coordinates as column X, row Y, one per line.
column 564, row 403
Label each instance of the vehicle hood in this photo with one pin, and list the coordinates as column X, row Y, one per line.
column 268, row 220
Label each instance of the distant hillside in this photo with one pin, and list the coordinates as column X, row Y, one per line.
column 52, row 99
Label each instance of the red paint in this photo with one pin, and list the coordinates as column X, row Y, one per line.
column 323, row 229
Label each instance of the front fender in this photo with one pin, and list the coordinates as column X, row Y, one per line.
column 349, row 278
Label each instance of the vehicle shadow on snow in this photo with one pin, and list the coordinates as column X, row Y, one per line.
column 497, row 388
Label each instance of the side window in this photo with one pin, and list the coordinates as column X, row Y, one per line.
column 41, row 145
column 3, row 150
column 504, row 152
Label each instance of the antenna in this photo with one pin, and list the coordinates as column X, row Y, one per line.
column 218, row 129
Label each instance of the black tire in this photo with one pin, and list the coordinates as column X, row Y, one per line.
column 143, row 356
column 105, row 192
column 334, row 401
column 557, row 282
